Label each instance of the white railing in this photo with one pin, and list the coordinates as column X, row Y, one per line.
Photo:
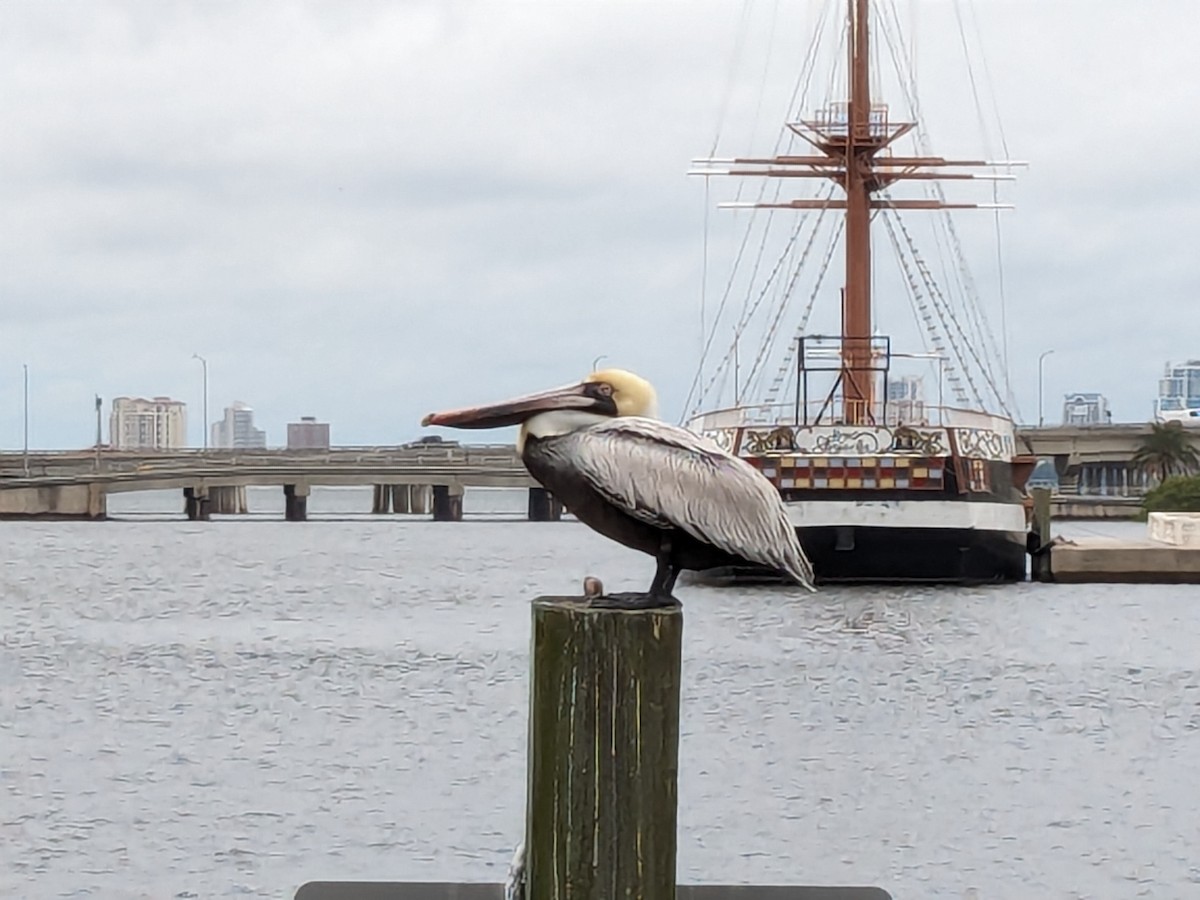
column 759, row 415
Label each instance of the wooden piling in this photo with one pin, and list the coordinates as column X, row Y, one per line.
column 1040, row 537
column 603, row 751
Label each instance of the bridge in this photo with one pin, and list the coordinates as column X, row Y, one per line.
column 1092, row 461
column 417, row 478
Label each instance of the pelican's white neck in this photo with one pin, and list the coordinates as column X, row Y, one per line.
column 556, row 422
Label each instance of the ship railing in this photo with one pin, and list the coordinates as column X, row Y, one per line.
column 767, row 414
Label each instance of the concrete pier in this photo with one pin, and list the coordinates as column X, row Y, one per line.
column 295, row 502
column 381, row 500
column 1168, row 554
column 228, row 501
column 65, row 501
column 447, row 503
column 1093, row 560
column 544, row 506
column 197, row 504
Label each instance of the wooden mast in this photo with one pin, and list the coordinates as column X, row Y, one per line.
column 857, row 378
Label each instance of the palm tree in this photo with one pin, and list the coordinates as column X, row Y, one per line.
column 1167, row 450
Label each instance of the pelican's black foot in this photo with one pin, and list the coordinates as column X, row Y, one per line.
column 632, row 600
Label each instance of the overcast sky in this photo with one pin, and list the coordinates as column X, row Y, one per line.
column 365, row 211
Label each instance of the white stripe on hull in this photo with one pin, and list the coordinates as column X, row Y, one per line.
column 908, row 514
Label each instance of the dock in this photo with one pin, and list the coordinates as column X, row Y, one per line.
column 1169, row 553
column 1097, row 560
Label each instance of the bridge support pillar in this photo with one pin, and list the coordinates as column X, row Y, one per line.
column 295, row 502
column 403, row 499
column 228, row 500
column 411, row 499
column 447, row 503
column 543, row 506
column 97, row 502
column 196, row 504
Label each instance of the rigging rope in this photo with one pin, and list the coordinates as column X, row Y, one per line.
column 696, row 393
column 921, row 309
column 948, row 310
column 786, row 370
column 976, row 316
column 768, row 343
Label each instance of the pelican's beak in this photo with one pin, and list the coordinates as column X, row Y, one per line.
column 586, row 396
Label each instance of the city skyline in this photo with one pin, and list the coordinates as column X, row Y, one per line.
column 316, row 222
column 1069, row 407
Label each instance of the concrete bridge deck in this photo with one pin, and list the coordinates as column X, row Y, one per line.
column 75, row 484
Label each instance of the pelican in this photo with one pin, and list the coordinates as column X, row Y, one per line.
column 599, row 448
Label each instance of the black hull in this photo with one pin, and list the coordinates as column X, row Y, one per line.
column 859, row 554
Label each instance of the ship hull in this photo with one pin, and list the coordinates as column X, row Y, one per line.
column 858, row 554
column 898, row 542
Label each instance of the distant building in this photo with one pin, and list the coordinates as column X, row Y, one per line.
column 1085, row 409
column 1179, row 393
column 140, row 424
column 308, row 434
column 905, row 401
column 236, row 431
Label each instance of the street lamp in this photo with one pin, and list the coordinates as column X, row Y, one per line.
column 1041, row 360
column 25, row 452
column 99, row 403
column 596, row 361
column 204, row 428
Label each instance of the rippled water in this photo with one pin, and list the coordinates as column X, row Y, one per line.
column 236, row 707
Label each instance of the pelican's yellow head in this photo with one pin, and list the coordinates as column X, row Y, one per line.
column 632, row 395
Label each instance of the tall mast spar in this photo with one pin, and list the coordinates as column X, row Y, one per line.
column 857, row 376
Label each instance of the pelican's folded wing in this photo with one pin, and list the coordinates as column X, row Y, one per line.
column 670, row 476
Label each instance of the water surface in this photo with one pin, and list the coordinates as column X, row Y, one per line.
column 233, row 708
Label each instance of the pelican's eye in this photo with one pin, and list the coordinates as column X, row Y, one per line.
column 603, row 389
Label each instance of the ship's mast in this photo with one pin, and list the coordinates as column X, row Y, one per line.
column 857, row 377
column 849, row 136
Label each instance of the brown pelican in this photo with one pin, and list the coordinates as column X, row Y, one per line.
column 600, row 449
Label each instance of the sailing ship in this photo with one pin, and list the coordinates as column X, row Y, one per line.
column 881, row 485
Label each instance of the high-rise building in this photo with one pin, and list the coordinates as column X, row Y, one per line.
column 140, row 424
column 308, row 434
column 236, row 431
column 1179, row 393
column 1085, row 409
column 905, row 402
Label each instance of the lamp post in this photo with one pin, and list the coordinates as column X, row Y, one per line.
column 25, row 408
column 596, row 361
column 99, row 403
column 1041, row 361
column 204, row 427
